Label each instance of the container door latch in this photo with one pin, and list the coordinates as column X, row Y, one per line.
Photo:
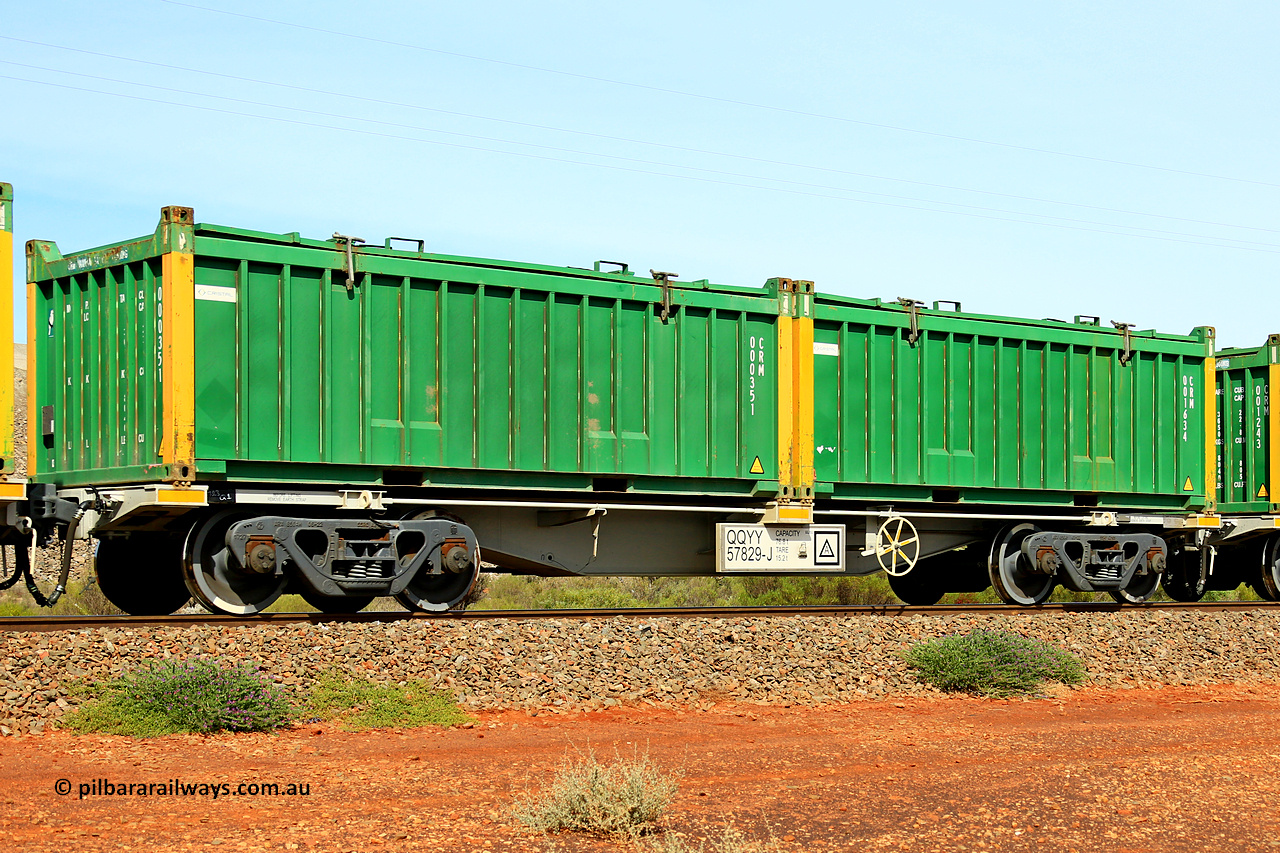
column 350, row 243
column 1127, row 353
column 663, row 280
column 913, row 307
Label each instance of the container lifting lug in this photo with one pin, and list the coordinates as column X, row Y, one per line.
column 913, row 307
column 350, row 243
column 1127, row 352
column 663, row 280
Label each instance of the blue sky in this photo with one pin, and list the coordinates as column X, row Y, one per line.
column 1039, row 160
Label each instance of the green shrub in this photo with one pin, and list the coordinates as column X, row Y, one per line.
column 197, row 695
column 623, row 799
column 361, row 704
column 584, row 597
column 992, row 663
column 782, row 591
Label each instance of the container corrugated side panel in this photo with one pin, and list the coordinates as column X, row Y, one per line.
column 460, row 369
column 1245, row 440
column 1006, row 410
column 97, row 351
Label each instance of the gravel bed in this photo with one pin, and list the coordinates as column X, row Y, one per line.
column 564, row 665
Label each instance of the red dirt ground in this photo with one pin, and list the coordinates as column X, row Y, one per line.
column 1174, row 769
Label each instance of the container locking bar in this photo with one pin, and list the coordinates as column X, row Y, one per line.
column 663, row 280
column 350, row 243
column 913, row 307
column 1127, row 353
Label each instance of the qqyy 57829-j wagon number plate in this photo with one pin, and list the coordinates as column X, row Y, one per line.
column 779, row 548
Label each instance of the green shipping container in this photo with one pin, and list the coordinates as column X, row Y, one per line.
column 985, row 409
column 1248, row 428
column 206, row 353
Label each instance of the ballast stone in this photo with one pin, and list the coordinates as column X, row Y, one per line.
column 563, row 666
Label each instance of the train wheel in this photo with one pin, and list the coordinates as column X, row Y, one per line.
column 1181, row 580
column 1139, row 590
column 142, row 573
column 219, row 582
column 429, row 593
column 438, row 593
column 336, row 603
column 1011, row 573
column 1267, row 584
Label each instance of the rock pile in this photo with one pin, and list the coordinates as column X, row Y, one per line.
column 561, row 665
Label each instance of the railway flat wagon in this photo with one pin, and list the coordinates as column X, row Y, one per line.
column 184, row 382
column 1067, row 446
column 235, row 414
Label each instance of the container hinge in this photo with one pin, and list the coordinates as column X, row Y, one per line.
column 913, row 307
column 663, row 280
column 350, row 243
column 1127, row 353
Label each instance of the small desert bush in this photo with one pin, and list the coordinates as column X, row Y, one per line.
column 992, row 663
column 623, row 799
column 361, row 704
column 197, row 695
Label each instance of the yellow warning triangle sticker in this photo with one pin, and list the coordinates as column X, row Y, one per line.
column 756, row 467
column 1187, row 487
column 1262, row 490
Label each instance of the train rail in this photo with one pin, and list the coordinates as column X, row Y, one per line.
column 76, row 623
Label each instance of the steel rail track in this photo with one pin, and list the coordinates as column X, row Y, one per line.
column 76, row 623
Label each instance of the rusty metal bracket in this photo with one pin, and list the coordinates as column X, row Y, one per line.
column 663, row 280
column 1127, row 353
column 913, row 307
column 350, row 243
column 596, row 514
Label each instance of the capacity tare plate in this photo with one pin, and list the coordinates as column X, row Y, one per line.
column 780, row 548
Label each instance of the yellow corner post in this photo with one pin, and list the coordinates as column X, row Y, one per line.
column 1210, row 433
column 6, row 331
column 177, row 441
column 795, row 390
column 786, row 388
